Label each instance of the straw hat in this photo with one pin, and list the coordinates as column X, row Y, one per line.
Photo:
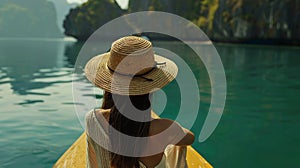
column 130, row 68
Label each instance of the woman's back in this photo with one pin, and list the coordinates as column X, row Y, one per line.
column 156, row 126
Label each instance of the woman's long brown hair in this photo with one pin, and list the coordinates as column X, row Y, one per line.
column 126, row 126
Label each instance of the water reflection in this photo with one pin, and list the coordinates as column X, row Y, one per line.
column 24, row 62
column 264, row 66
column 72, row 51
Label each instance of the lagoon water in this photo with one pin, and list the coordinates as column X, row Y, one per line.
column 259, row 126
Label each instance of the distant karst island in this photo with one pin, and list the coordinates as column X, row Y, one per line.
column 31, row 18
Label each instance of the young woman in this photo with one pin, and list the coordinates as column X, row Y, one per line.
column 123, row 133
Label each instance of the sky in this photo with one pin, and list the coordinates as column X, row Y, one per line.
column 123, row 3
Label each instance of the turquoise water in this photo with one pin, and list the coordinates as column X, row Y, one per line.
column 259, row 127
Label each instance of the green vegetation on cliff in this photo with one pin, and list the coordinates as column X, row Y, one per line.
column 255, row 21
column 258, row 21
column 82, row 21
column 30, row 18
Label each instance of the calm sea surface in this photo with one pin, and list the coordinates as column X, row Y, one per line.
column 259, row 127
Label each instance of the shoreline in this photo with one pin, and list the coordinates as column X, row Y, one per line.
column 250, row 42
column 64, row 38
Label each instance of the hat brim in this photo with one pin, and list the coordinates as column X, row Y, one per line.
column 97, row 72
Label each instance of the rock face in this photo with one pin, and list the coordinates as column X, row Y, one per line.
column 257, row 21
column 82, row 21
column 30, row 18
column 188, row 9
column 249, row 21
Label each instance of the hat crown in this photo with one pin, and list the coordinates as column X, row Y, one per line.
column 131, row 56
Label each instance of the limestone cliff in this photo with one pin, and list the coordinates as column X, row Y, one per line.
column 247, row 21
column 257, row 21
column 82, row 21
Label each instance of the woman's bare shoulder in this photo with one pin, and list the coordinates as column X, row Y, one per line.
column 160, row 124
column 162, row 121
column 175, row 130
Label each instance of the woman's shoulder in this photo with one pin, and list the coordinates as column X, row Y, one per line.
column 175, row 133
column 160, row 124
column 163, row 121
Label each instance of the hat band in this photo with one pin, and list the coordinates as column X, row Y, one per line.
column 133, row 76
column 139, row 75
